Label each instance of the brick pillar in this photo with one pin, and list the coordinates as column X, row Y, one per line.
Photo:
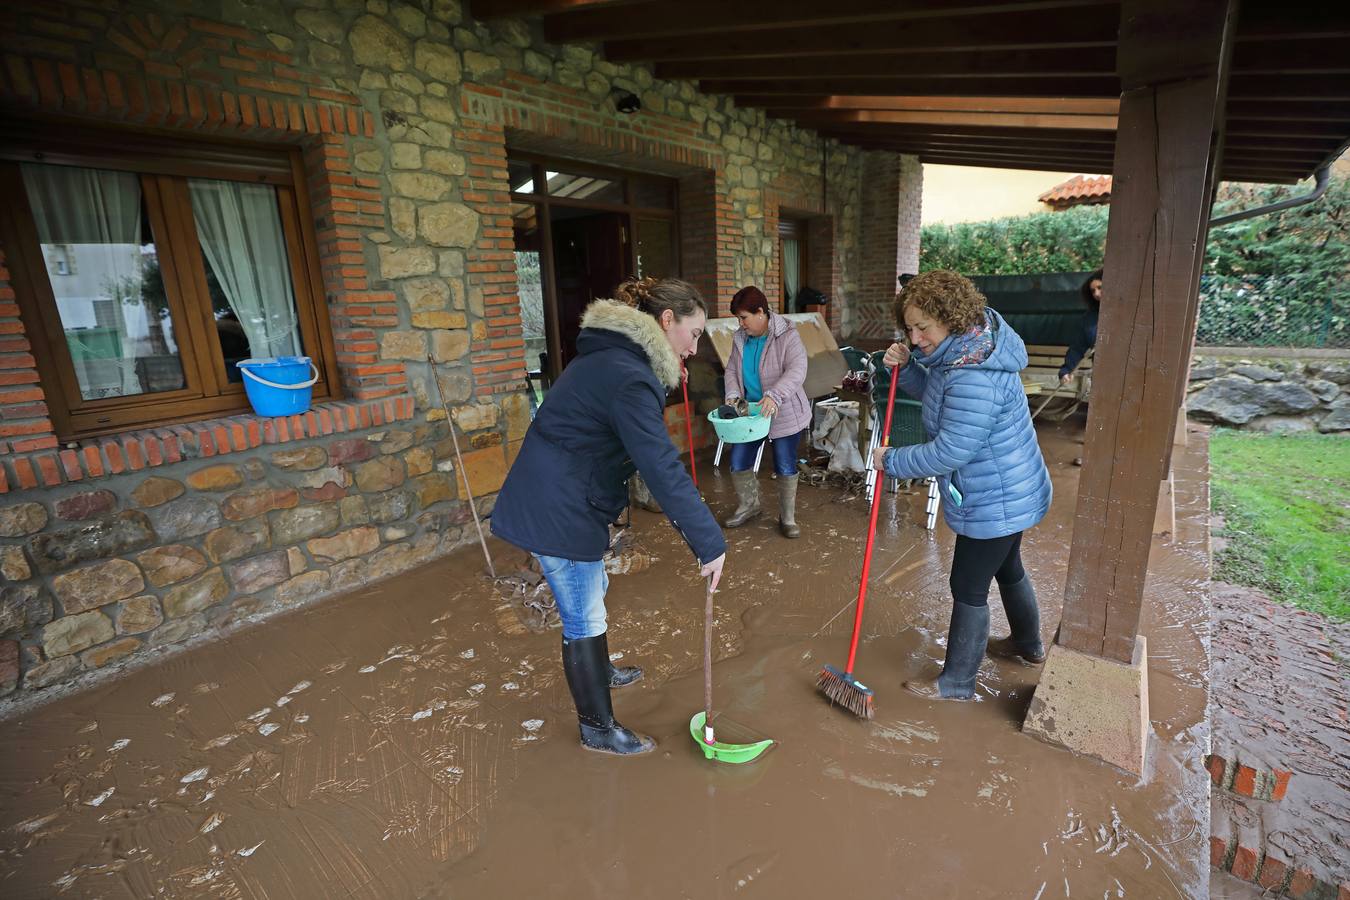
column 707, row 240
column 910, row 204
column 890, row 238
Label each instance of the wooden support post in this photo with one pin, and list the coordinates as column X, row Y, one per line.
column 1173, row 62
column 1171, row 57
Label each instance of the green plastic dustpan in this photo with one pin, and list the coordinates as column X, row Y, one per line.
column 731, row 753
column 698, row 726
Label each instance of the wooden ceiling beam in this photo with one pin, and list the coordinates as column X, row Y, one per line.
column 1288, row 155
column 977, row 119
column 1039, row 165
column 1267, row 128
column 1061, row 63
column 693, row 17
column 1098, row 87
column 1017, row 152
column 1243, row 86
column 1292, row 20
column 1090, row 27
column 1285, row 111
column 913, row 143
column 497, row 9
column 1031, row 136
column 1059, row 105
column 1323, row 55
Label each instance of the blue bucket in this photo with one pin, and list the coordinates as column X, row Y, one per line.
column 280, row 385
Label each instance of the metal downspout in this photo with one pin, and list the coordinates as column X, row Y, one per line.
column 1322, row 180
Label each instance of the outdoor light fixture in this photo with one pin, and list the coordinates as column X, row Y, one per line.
column 627, row 102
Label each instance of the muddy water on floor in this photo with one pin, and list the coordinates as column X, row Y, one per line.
column 414, row 740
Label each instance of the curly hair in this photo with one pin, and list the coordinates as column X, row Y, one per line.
column 949, row 298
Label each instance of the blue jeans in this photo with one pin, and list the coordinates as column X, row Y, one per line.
column 784, row 454
column 579, row 589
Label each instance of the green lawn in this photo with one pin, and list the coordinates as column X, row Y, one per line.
column 1285, row 500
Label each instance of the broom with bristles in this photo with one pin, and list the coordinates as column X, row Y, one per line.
column 842, row 687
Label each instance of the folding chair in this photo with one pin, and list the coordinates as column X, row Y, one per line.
column 906, row 430
column 759, row 455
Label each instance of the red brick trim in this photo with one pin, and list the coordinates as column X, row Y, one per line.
column 1278, row 877
column 152, row 447
column 1248, row 781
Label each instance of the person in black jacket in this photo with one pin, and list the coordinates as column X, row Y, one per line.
column 603, row 419
column 1086, row 338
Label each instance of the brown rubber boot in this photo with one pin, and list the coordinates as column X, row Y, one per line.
column 747, row 491
column 787, row 506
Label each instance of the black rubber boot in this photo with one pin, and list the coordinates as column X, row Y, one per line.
column 586, row 662
column 623, row 676
column 966, row 639
column 1024, row 617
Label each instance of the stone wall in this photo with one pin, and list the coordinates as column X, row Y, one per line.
column 94, row 573
column 1273, row 394
column 404, row 112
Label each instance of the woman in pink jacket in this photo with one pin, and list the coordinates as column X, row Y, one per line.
column 767, row 366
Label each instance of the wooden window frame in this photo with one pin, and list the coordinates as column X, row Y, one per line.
column 163, row 164
column 542, row 200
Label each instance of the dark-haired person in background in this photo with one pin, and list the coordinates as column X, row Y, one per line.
column 1086, row 337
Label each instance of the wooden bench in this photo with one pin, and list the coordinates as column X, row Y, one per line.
column 1041, row 375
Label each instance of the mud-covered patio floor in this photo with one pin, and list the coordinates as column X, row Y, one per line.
column 413, row 739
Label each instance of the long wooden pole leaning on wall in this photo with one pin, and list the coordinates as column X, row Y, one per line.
column 1172, row 60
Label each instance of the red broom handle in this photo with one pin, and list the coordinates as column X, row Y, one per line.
column 688, row 425
column 872, row 526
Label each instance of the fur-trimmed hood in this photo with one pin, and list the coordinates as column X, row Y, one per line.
column 641, row 329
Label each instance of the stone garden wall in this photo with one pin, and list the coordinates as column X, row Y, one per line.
column 1272, row 394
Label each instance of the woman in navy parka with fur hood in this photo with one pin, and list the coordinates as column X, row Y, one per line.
column 603, row 419
column 983, row 451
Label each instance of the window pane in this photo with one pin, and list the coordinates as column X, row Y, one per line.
column 584, row 187
column 521, row 176
column 530, row 286
column 654, row 256
column 104, row 272
column 247, row 270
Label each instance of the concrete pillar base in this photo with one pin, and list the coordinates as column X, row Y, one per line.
column 1094, row 706
column 1165, row 514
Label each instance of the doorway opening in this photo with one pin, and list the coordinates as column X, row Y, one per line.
column 579, row 231
column 791, row 262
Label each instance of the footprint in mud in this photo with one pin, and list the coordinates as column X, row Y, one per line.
column 757, row 616
column 531, row 730
column 742, row 873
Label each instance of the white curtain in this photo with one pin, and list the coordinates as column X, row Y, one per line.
column 791, row 273
column 240, row 232
column 100, row 212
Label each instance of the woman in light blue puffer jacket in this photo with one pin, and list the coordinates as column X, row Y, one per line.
column 983, row 452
